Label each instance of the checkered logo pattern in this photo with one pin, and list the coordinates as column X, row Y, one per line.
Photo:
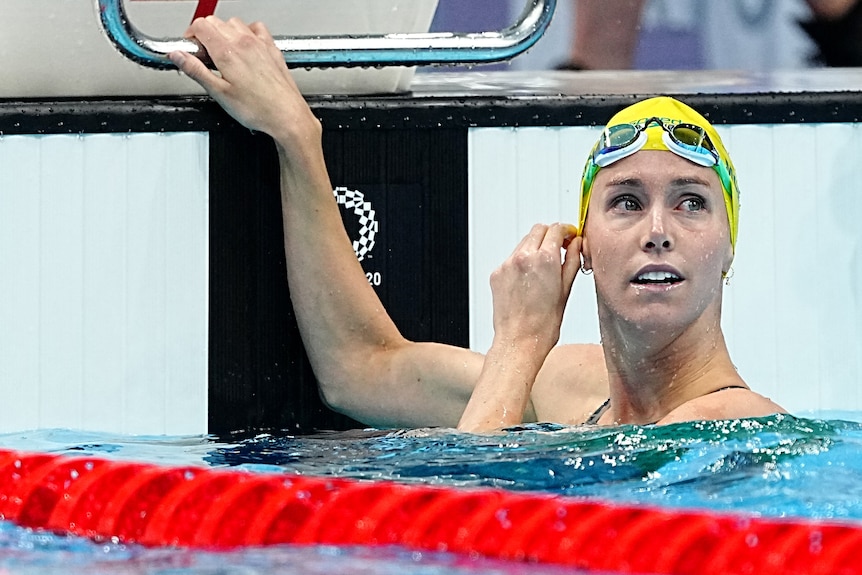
column 354, row 201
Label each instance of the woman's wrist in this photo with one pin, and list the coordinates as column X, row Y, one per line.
column 503, row 390
column 529, row 347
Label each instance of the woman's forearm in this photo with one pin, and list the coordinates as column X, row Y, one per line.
column 342, row 321
column 503, row 389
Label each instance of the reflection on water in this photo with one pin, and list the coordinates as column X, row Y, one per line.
column 777, row 466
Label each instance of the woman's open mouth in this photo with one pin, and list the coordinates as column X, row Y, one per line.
column 657, row 277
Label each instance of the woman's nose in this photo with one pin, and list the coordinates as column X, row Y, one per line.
column 657, row 236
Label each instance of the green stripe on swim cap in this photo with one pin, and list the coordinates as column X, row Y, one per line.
column 671, row 111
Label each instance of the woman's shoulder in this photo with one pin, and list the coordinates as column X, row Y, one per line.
column 572, row 383
column 736, row 403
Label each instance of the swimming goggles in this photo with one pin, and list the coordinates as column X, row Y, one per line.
column 686, row 140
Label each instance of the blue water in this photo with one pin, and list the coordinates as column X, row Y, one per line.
column 778, row 466
column 24, row 552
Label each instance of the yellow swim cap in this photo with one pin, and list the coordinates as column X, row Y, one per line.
column 663, row 123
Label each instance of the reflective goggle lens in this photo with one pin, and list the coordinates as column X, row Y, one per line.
column 689, row 140
column 619, row 136
column 693, row 137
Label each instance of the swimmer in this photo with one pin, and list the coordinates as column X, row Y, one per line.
column 659, row 239
column 659, row 214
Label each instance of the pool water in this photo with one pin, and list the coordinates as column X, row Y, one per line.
column 779, row 466
column 23, row 552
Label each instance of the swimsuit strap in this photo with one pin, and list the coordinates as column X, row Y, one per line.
column 727, row 387
column 598, row 413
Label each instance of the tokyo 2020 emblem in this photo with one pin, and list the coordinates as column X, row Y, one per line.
column 354, row 201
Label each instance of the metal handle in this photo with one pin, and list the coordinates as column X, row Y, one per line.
column 330, row 51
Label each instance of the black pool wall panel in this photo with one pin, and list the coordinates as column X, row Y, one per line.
column 416, row 183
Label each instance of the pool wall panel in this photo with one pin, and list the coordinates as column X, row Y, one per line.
column 104, row 259
column 416, row 183
column 20, row 200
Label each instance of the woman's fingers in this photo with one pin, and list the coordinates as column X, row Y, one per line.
column 558, row 236
column 547, row 237
column 262, row 32
column 562, row 240
column 195, row 69
column 209, row 34
column 532, row 240
column 572, row 264
column 543, row 250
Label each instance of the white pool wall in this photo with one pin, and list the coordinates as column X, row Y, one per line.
column 104, row 264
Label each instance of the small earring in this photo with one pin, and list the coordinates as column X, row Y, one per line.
column 727, row 275
column 586, row 271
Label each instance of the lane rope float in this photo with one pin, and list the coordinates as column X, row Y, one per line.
column 199, row 507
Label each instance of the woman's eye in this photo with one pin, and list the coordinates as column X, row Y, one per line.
column 693, row 204
column 626, row 203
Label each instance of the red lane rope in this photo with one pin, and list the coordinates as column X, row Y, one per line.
column 217, row 509
column 204, row 8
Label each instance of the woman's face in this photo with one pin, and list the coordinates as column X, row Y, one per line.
column 657, row 238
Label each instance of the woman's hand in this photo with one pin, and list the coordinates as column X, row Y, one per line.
column 253, row 83
column 532, row 286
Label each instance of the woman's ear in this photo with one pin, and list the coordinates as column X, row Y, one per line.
column 586, row 255
column 728, row 262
